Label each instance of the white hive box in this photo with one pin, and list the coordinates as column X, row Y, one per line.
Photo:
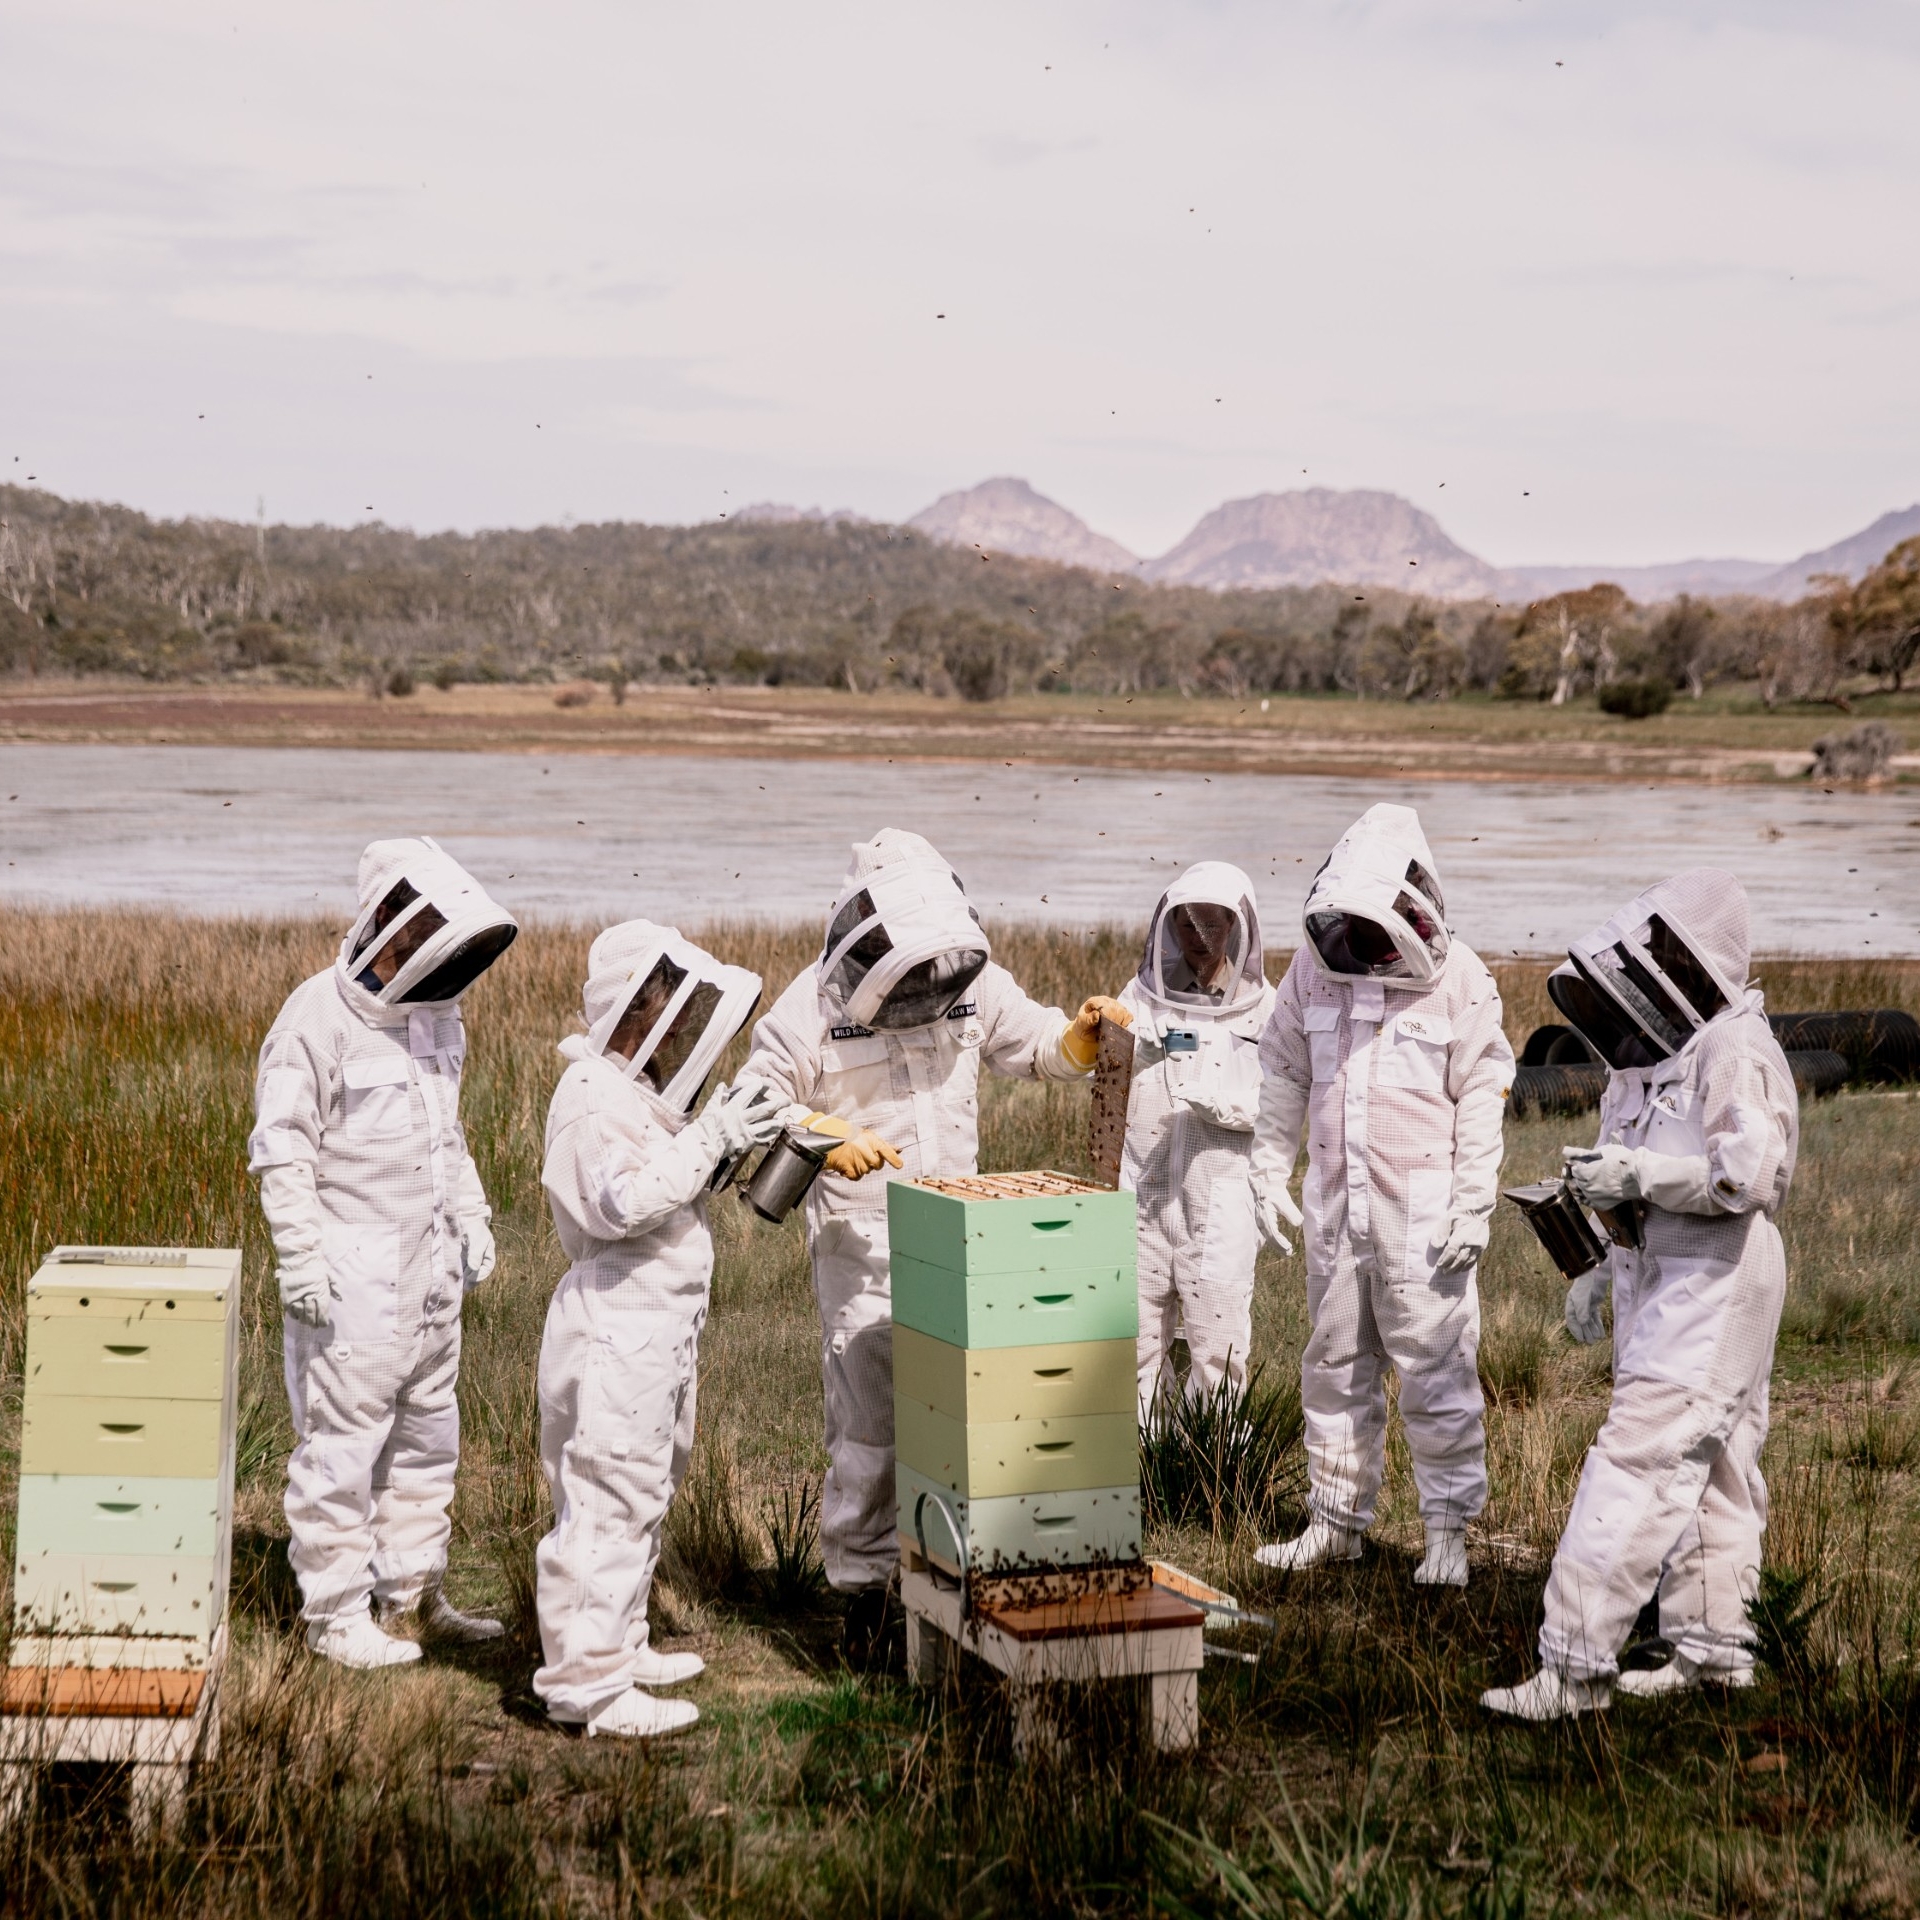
column 125, row 1528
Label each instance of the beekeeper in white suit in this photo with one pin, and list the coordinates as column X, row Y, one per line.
column 1199, row 1003
column 1386, row 1044
column 1698, row 1132
column 379, row 1227
column 884, row 1038
column 627, row 1171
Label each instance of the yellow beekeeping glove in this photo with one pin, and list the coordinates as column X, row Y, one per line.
column 1081, row 1041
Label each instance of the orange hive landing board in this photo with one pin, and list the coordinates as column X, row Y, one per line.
column 101, row 1692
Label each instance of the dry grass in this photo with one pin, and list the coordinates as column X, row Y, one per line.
column 125, row 1053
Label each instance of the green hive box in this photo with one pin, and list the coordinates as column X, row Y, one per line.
column 979, row 1269
column 1016, row 1318
column 125, row 1526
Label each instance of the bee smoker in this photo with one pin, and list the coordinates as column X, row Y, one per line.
column 786, row 1173
column 1560, row 1224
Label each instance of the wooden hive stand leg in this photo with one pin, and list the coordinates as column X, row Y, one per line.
column 16, row 1791
column 927, row 1651
column 1173, row 1705
column 156, row 1792
column 1036, row 1735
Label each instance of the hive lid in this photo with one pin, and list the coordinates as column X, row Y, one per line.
column 140, row 1271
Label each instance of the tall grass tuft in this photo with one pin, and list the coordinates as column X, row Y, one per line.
column 1227, row 1457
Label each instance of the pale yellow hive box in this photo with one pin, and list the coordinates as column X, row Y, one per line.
column 125, row 1529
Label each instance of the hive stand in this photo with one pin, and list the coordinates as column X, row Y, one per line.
column 125, row 1528
column 1040, row 1633
column 1016, row 1311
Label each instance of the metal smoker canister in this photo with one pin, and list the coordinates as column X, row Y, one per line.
column 1561, row 1225
column 785, row 1174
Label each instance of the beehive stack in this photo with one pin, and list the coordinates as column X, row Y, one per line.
column 126, row 1481
column 1016, row 1315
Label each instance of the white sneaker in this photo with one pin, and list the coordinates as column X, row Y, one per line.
column 1680, row 1675
column 1446, row 1561
column 357, row 1642
column 634, row 1715
column 1549, row 1695
column 654, row 1669
column 1319, row 1546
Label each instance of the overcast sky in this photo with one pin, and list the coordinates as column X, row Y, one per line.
column 1634, row 281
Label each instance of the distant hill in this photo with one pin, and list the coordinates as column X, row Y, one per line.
column 1853, row 556
column 1008, row 516
column 1314, row 534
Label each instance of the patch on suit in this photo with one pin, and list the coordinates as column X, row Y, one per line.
column 851, row 1033
column 964, row 1011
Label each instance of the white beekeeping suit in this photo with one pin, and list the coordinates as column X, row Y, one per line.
column 627, row 1171
column 1699, row 1131
column 1385, row 1042
column 888, row 1032
column 379, row 1224
column 1199, row 1002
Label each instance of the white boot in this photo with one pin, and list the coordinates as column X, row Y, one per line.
column 1549, row 1695
column 357, row 1642
column 653, row 1669
column 1446, row 1561
column 1679, row 1675
column 634, row 1715
column 1319, row 1546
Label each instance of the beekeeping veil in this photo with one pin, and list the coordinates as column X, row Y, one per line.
column 426, row 929
column 903, row 945
column 662, row 1009
column 1640, row 987
column 1203, row 942
column 1374, row 911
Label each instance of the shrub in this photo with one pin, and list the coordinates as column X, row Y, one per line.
column 1636, row 699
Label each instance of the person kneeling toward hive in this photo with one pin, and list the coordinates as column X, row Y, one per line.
column 1386, row 1044
column 627, row 1172
column 1699, row 1131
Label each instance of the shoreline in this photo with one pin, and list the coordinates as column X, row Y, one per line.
column 1478, row 742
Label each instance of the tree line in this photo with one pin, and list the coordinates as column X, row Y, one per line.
column 95, row 589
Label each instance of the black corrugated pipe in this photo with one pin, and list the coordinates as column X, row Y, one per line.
column 1882, row 1045
column 1577, row 1089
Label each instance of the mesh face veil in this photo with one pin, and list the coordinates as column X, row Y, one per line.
column 903, row 945
column 1375, row 910
column 1203, row 942
column 426, row 929
column 1640, row 987
column 662, row 1009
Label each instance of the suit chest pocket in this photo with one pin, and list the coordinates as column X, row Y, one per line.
column 854, row 1074
column 1413, row 1053
column 374, row 1097
column 1322, row 1026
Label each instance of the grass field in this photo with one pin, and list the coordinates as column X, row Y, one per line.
column 1346, row 1770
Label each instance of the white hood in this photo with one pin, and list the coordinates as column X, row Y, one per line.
column 1166, row 977
column 1375, row 909
column 1640, row 986
column 412, row 886
column 704, row 1003
column 903, row 944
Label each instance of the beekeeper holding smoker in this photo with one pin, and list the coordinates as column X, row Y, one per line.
column 883, row 1039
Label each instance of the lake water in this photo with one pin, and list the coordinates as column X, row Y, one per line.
column 1526, row 866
